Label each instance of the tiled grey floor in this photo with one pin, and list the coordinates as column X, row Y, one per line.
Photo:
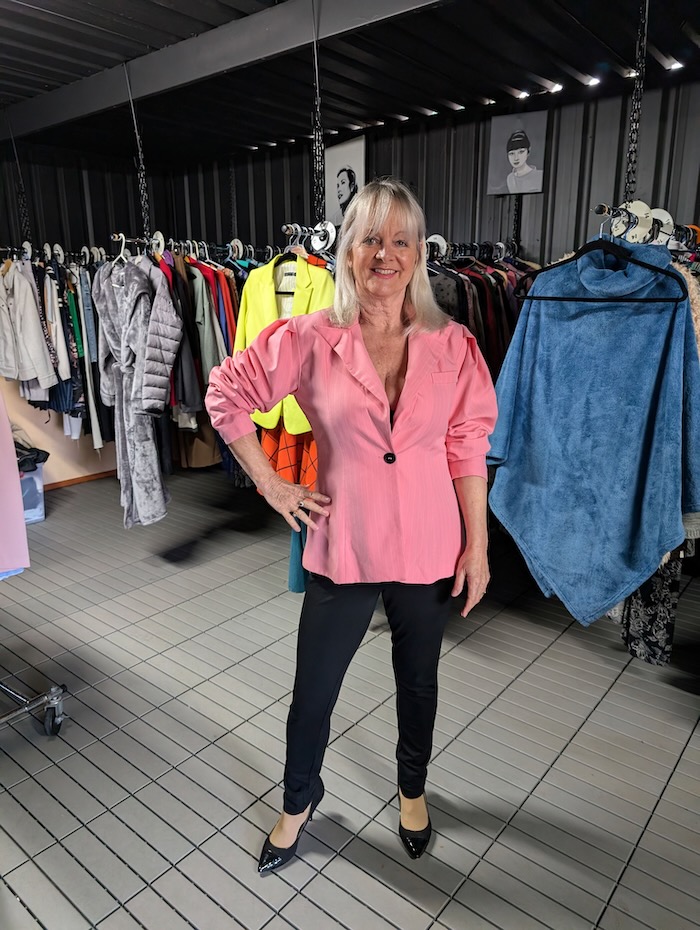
column 564, row 789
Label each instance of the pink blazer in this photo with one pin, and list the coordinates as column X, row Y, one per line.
column 394, row 514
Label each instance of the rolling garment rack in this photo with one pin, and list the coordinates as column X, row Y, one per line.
column 51, row 700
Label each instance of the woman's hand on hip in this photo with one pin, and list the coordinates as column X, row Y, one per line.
column 294, row 501
column 473, row 567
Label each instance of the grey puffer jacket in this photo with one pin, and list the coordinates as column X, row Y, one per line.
column 162, row 342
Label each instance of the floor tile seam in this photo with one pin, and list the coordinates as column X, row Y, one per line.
column 487, row 706
column 58, row 842
column 111, row 810
column 350, row 894
column 113, row 676
column 519, row 807
column 642, row 833
column 203, row 891
column 23, row 902
column 179, row 603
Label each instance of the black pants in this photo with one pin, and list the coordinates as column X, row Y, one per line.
column 334, row 620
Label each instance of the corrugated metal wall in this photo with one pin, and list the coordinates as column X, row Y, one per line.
column 74, row 201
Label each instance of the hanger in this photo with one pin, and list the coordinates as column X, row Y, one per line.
column 615, row 249
column 122, row 257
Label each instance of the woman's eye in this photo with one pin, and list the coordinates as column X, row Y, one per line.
column 401, row 242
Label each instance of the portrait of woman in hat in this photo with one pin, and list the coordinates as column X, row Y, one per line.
column 524, row 178
column 517, row 154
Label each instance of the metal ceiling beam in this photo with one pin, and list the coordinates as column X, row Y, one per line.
column 267, row 34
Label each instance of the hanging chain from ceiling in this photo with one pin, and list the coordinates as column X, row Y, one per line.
column 636, row 108
column 517, row 213
column 25, row 225
column 318, row 152
column 234, row 199
column 140, row 167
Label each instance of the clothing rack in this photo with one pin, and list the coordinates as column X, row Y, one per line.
column 439, row 249
column 636, row 222
column 319, row 238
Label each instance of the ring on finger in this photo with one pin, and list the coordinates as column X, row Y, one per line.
column 300, row 505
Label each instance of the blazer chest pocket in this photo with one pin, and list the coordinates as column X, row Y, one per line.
column 444, row 377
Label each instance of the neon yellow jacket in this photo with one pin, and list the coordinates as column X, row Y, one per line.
column 315, row 290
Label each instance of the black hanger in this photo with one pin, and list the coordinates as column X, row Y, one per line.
column 279, row 260
column 611, row 248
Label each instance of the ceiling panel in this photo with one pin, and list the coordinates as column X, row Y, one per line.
column 61, row 41
column 445, row 63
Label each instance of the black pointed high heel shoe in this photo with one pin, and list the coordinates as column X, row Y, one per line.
column 415, row 842
column 272, row 857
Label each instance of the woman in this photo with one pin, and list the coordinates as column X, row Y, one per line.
column 346, row 187
column 524, row 178
column 401, row 404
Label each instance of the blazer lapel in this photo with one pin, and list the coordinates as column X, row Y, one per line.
column 347, row 343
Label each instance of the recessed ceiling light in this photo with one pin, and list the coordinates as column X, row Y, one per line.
column 675, row 66
column 523, row 94
column 460, row 106
column 593, row 81
column 332, row 132
column 632, row 73
column 402, row 118
column 556, row 88
column 431, row 112
column 489, row 102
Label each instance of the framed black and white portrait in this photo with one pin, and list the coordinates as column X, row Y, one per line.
column 345, row 175
column 517, row 154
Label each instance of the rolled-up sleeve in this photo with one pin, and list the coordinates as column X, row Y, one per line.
column 255, row 379
column 473, row 416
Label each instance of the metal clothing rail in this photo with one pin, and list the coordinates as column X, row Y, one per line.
column 52, row 700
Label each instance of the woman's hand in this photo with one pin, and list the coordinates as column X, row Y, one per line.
column 293, row 501
column 473, row 567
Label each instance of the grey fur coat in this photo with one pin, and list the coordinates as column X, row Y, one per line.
column 140, row 333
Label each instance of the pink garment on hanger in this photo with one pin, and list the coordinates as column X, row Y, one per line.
column 14, row 553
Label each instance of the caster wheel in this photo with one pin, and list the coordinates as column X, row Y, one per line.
column 52, row 726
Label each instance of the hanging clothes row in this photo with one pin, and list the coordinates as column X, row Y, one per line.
column 474, row 283
column 48, row 342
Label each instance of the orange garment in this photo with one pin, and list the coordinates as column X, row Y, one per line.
column 293, row 457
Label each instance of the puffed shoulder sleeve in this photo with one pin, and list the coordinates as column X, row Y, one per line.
column 255, row 379
column 473, row 415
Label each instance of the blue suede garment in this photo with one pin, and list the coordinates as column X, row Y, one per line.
column 598, row 438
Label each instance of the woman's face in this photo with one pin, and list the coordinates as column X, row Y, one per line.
column 518, row 157
column 343, row 188
column 384, row 260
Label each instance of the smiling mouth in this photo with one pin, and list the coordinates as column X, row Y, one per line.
column 385, row 272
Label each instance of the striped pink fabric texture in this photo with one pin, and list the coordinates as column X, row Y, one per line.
column 394, row 514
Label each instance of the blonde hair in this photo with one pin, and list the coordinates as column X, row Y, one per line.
column 366, row 214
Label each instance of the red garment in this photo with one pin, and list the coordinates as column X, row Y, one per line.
column 228, row 307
